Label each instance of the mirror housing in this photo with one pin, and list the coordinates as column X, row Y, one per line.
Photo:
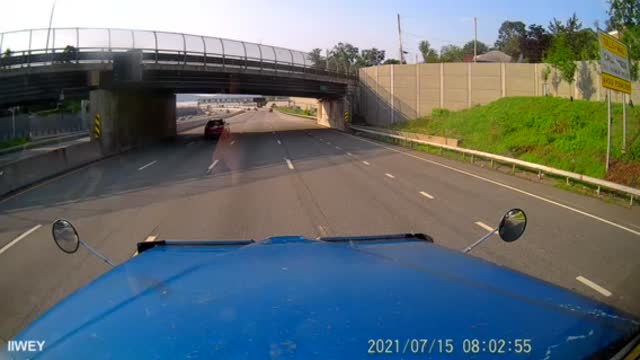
column 65, row 236
column 512, row 225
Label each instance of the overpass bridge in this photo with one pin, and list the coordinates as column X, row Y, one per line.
column 132, row 76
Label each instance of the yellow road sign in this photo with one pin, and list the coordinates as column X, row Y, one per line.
column 614, row 64
column 614, row 45
column 614, row 83
column 97, row 127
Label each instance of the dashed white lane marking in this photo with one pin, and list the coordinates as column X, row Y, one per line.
column 190, row 143
column 212, row 165
column 279, row 142
column 233, row 142
column 22, row 236
column 147, row 165
column 349, row 154
column 484, row 226
column 289, row 164
column 513, row 188
column 594, row 286
column 338, row 147
column 366, row 163
column 428, row 196
column 328, row 143
column 389, row 176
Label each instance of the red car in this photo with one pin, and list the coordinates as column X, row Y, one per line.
column 214, row 129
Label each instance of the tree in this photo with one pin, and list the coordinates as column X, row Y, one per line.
column 429, row 55
column 316, row 58
column 451, row 53
column 510, row 37
column 624, row 16
column 7, row 53
column 370, row 57
column 562, row 58
column 391, row 61
column 583, row 42
column 481, row 48
column 535, row 43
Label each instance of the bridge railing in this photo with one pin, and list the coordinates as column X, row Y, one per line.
column 45, row 47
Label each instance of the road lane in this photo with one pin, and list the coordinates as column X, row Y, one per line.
column 252, row 192
column 558, row 245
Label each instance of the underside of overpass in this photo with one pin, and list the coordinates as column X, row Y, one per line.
column 136, row 103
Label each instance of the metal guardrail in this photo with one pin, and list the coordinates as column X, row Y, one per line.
column 42, row 47
column 627, row 190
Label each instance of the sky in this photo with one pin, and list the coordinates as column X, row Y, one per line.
column 304, row 25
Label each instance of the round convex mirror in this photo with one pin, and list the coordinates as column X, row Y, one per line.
column 512, row 225
column 65, row 236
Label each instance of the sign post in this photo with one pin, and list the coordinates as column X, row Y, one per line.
column 616, row 75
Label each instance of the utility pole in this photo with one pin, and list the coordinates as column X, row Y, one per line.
column 400, row 39
column 46, row 48
column 475, row 38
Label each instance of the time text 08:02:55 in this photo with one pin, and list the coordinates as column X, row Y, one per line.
column 449, row 346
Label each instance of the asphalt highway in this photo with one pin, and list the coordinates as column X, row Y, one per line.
column 275, row 174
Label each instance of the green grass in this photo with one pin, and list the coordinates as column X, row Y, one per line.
column 12, row 143
column 295, row 111
column 544, row 130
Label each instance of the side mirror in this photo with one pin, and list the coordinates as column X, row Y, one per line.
column 510, row 229
column 67, row 239
column 65, row 236
column 512, row 225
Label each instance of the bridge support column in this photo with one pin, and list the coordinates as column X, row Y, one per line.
column 131, row 118
column 332, row 113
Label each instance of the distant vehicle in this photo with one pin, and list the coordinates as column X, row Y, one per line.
column 334, row 297
column 213, row 129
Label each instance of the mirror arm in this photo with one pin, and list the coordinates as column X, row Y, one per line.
column 97, row 254
column 470, row 247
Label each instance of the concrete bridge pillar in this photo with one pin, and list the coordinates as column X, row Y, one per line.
column 131, row 118
column 334, row 113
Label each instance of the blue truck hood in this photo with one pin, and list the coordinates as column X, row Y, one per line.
column 290, row 297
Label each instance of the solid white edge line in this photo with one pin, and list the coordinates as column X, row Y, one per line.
column 279, row 143
column 594, row 286
column 212, row 165
column 366, row 163
column 389, row 175
column 484, row 226
column 289, row 163
column 349, row 154
column 22, row 236
column 567, row 207
column 429, row 196
column 147, row 165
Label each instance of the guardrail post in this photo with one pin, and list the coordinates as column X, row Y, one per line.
column 155, row 40
column 492, row 163
column 244, row 47
column 513, row 169
column 630, row 200
column 109, row 35
column 133, row 40
column 275, row 57
column 290, row 53
column 184, row 48
column 77, row 45
column 472, row 158
column 204, row 46
column 223, row 55
column 29, row 54
column 598, row 190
